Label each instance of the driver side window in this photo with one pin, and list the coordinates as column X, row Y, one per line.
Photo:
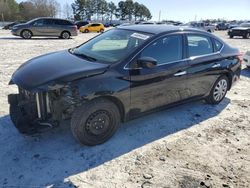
column 38, row 23
column 165, row 50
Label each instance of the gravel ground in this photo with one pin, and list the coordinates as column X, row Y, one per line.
column 193, row 145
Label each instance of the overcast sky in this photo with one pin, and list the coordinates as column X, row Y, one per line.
column 187, row 10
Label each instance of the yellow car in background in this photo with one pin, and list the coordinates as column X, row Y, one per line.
column 93, row 27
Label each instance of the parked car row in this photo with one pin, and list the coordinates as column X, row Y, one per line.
column 52, row 27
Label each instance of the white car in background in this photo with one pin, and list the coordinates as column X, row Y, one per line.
column 246, row 58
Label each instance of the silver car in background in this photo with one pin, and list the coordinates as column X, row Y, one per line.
column 45, row 27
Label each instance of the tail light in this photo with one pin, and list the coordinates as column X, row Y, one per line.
column 240, row 57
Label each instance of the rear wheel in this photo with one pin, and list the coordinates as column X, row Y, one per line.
column 101, row 30
column 246, row 36
column 65, row 35
column 26, row 34
column 219, row 91
column 231, row 36
column 95, row 122
column 86, row 31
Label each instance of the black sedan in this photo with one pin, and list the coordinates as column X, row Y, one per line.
column 120, row 75
column 243, row 31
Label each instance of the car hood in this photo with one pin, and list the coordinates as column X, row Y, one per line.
column 53, row 69
column 240, row 28
column 20, row 25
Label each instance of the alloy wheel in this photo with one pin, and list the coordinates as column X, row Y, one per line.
column 26, row 34
column 220, row 90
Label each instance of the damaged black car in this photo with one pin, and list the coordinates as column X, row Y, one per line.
column 120, row 75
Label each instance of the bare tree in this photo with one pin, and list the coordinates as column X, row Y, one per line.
column 67, row 11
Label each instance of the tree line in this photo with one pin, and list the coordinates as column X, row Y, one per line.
column 10, row 10
column 103, row 10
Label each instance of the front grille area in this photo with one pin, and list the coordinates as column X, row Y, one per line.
column 26, row 95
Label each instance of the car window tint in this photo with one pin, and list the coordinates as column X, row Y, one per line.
column 218, row 45
column 62, row 22
column 39, row 23
column 48, row 22
column 199, row 45
column 165, row 50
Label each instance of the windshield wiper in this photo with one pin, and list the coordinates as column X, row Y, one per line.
column 82, row 55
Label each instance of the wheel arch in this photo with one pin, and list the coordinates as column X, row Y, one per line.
column 65, row 31
column 117, row 102
column 25, row 29
column 229, row 75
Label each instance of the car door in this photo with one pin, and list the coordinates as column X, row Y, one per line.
column 204, row 64
column 38, row 27
column 163, row 84
column 53, row 27
column 95, row 27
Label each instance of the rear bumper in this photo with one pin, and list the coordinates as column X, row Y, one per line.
column 74, row 33
column 236, row 77
column 246, row 59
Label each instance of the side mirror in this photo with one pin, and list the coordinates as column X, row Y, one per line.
column 147, row 62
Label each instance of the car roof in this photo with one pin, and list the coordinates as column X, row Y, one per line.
column 157, row 29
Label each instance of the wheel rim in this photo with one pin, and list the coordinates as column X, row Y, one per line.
column 27, row 34
column 98, row 123
column 220, row 90
column 65, row 35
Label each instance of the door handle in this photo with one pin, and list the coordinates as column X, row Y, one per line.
column 180, row 73
column 216, row 65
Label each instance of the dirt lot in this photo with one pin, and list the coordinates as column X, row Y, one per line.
column 193, row 145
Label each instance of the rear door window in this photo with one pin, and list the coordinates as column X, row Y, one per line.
column 218, row 45
column 62, row 22
column 199, row 45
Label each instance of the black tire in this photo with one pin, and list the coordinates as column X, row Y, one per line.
column 101, row 30
column 26, row 34
column 209, row 31
column 95, row 122
column 213, row 98
column 65, row 35
column 86, row 31
column 231, row 36
column 20, row 121
column 246, row 36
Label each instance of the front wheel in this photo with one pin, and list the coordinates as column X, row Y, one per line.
column 231, row 36
column 219, row 91
column 95, row 122
column 26, row 34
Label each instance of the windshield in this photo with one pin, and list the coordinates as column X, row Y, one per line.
column 245, row 25
column 111, row 46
